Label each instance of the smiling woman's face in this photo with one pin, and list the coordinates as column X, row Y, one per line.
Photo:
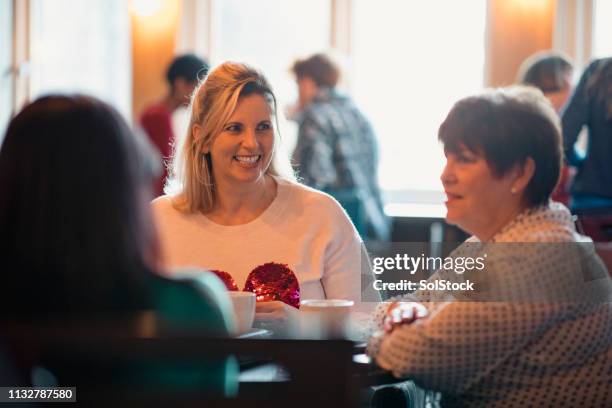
column 478, row 200
column 242, row 152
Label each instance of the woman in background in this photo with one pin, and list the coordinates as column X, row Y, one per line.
column 591, row 105
column 234, row 204
column 536, row 329
column 551, row 72
column 77, row 239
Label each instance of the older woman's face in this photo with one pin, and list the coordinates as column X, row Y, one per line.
column 478, row 201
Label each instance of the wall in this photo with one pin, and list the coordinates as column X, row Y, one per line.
column 154, row 30
column 516, row 29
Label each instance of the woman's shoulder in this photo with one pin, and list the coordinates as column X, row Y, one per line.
column 546, row 223
column 164, row 206
column 194, row 298
column 317, row 209
column 312, row 198
column 598, row 63
column 163, row 201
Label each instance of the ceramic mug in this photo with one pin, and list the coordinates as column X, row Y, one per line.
column 325, row 318
column 244, row 310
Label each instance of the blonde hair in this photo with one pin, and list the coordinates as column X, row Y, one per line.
column 191, row 182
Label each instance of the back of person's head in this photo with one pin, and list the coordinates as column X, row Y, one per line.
column 507, row 126
column 318, row 67
column 188, row 67
column 73, row 198
column 212, row 104
column 548, row 71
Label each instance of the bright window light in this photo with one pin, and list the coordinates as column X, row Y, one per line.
column 411, row 61
column 82, row 46
column 6, row 86
column 602, row 30
column 146, row 8
column 271, row 34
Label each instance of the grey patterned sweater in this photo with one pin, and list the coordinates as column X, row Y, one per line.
column 538, row 333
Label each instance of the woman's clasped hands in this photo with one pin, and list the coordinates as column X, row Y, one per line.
column 400, row 313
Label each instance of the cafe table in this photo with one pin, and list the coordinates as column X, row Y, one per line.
column 273, row 372
column 341, row 362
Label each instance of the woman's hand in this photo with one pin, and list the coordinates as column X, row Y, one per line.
column 275, row 312
column 403, row 313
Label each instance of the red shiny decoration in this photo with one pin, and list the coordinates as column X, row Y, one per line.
column 227, row 279
column 274, row 281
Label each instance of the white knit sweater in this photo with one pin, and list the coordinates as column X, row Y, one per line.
column 303, row 228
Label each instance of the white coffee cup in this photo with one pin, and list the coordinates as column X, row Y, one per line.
column 324, row 318
column 244, row 310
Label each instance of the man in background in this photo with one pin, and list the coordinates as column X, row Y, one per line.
column 182, row 77
column 336, row 149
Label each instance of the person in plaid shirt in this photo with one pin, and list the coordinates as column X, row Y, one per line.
column 336, row 150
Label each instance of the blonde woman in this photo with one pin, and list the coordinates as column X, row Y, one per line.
column 232, row 206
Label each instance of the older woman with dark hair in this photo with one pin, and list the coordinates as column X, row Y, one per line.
column 536, row 327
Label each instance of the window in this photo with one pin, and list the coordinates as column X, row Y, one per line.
column 602, row 29
column 82, row 46
column 411, row 62
column 271, row 34
column 6, row 74
column 407, row 64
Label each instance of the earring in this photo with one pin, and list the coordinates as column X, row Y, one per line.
column 513, row 190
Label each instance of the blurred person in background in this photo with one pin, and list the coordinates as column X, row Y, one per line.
column 551, row 72
column 591, row 105
column 336, row 149
column 182, row 76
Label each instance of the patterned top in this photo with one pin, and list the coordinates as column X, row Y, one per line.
column 556, row 352
column 337, row 152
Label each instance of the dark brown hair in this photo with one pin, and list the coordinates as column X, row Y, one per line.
column 506, row 126
column 545, row 70
column 75, row 234
column 320, row 68
column 189, row 67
